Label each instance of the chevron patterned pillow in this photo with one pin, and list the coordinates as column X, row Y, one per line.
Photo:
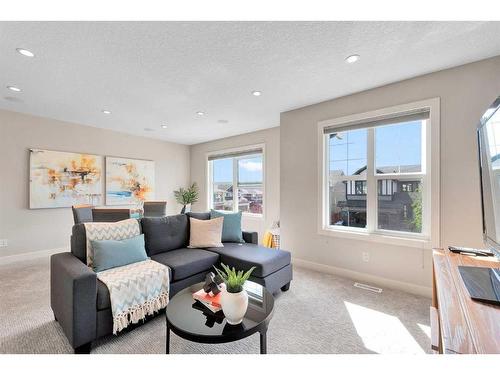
column 120, row 230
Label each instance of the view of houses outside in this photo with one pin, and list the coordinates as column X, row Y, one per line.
column 249, row 198
column 399, row 204
column 249, row 182
column 399, row 199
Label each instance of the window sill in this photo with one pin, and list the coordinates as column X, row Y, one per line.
column 408, row 241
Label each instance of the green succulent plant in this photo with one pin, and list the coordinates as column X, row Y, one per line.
column 233, row 279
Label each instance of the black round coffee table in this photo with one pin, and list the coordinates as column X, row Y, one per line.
column 192, row 321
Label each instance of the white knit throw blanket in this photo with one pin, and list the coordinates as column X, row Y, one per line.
column 136, row 290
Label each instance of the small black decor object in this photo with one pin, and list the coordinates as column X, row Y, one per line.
column 212, row 282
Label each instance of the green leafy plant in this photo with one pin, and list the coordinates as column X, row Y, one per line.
column 233, row 279
column 187, row 196
column 417, row 210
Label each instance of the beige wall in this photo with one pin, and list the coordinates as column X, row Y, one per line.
column 465, row 93
column 32, row 230
column 291, row 162
column 271, row 139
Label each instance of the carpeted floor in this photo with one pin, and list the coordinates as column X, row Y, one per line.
column 320, row 313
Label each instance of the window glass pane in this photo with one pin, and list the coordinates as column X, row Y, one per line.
column 222, row 197
column 250, row 177
column 398, row 148
column 250, row 199
column 347, row 203
column 222, row 171
column 222, row 184
column 347, row 152
column 400, row 205
column 250, row 170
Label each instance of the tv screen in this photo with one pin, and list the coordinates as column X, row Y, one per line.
column 489, row 162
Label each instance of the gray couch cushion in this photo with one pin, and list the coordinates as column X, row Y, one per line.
column 244, row 256
column 186, row 262
column 165, row 233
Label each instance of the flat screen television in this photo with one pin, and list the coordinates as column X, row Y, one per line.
column 483, row 283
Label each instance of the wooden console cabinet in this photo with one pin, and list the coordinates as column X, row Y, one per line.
column 458, row 323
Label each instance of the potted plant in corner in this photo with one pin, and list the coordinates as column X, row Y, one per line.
column 234, row 299
column 187, row 197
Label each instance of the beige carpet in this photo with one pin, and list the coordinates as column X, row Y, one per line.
column 319, row 314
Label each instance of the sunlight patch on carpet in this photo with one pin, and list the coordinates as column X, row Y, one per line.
column 380, row 332
column 425, row 329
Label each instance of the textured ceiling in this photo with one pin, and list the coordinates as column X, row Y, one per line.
column 154, row 73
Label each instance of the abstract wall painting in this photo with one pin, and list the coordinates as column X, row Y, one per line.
column 63, row 179
column 129, row 181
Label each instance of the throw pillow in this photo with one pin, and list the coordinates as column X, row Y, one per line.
column 116, row 253
column 231, row 228
column 119, row 230
column 205, row 233
column 199, row 215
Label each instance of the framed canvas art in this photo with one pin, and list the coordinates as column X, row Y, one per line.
column 129, row 181
column 63, row 179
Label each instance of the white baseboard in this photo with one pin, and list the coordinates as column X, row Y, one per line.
column 365, row 277
column 9, row 259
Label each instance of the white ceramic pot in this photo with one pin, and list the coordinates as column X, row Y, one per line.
column 234, row 306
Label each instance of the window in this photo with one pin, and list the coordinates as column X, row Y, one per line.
column 236, row 181
column 377, row 174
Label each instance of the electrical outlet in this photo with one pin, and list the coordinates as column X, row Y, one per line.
column 366, row 256
column 4, row 243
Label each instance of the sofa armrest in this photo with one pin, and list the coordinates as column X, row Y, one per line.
column 73, row 298
column 251, row 237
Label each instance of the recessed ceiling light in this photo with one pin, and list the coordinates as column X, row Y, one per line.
column 164, row 126
column 25, row 52
column 352, row 59
column 222, row 121
column 106, row 111
column 148, row 130
column 14, row 88
column 200, row 113
column 256, row 93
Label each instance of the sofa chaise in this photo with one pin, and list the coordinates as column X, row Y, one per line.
column 81, row 303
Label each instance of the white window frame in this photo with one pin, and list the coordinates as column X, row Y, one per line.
column 430, row 236
column 210, row 184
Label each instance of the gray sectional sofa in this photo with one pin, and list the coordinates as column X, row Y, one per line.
column 81, row 303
